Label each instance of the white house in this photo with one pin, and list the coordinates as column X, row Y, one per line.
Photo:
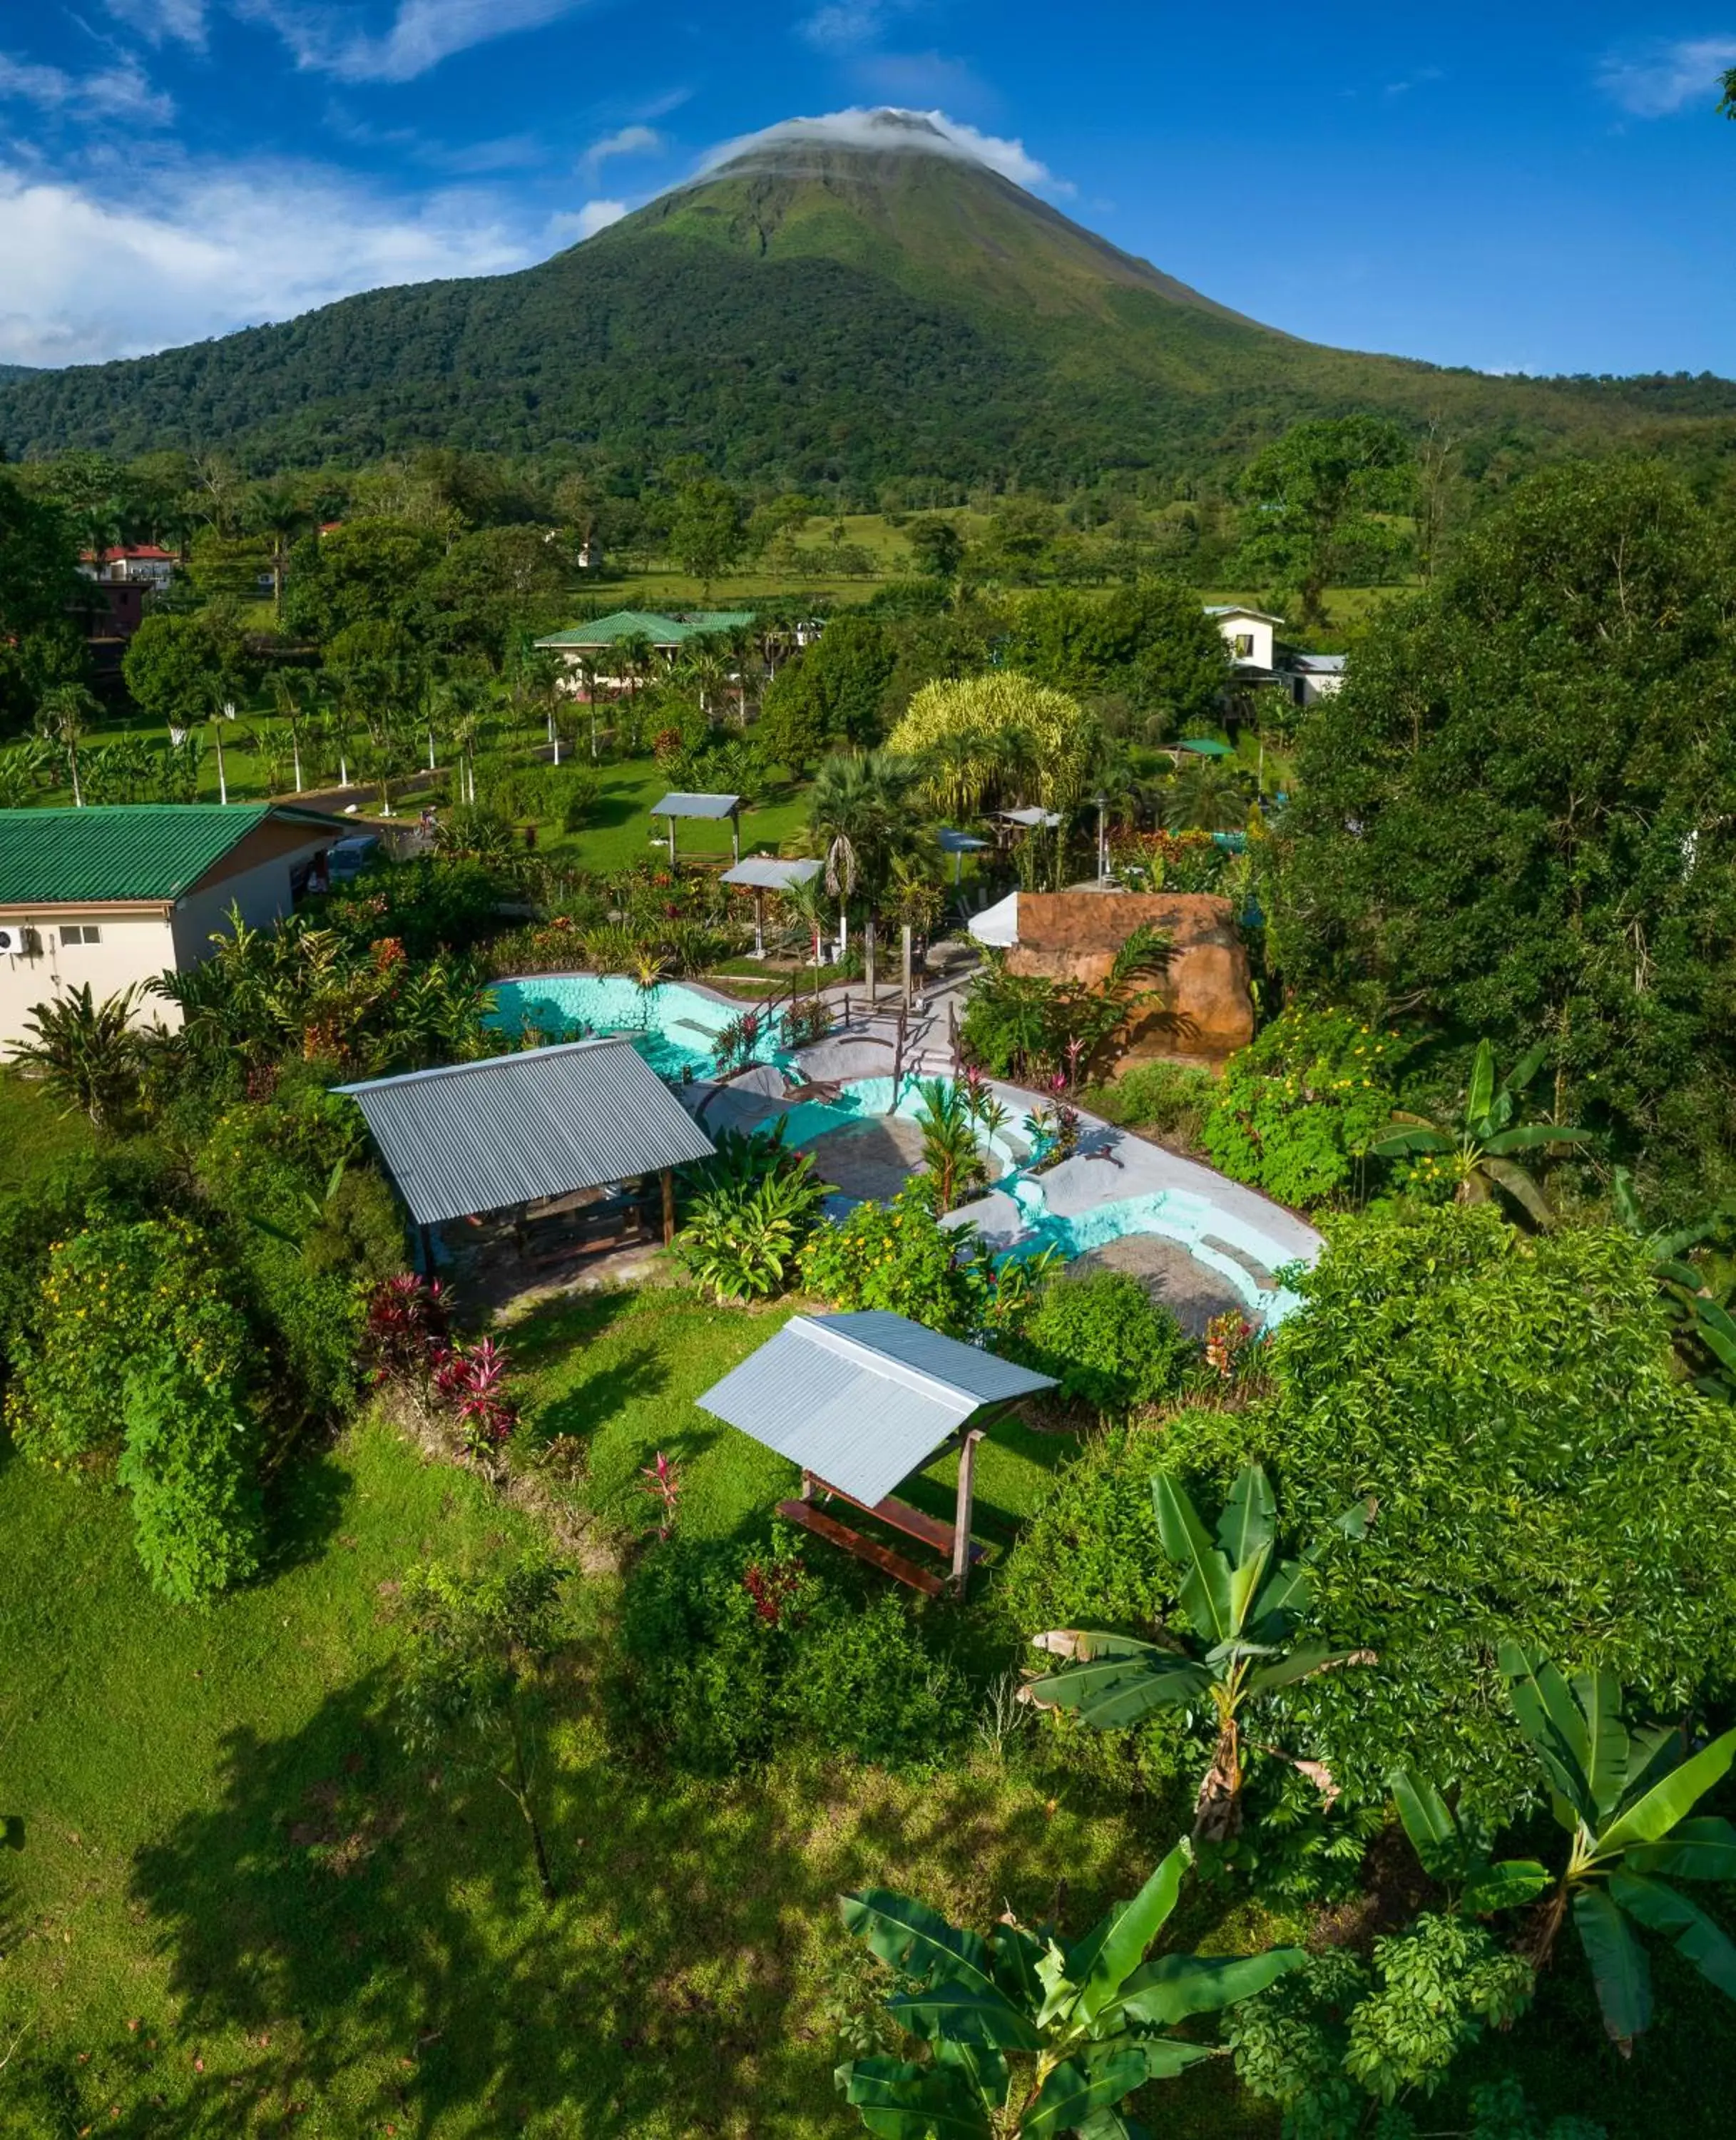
column 1248, row 633
column 116, row 896
column 1316, row 677
column 136, row 564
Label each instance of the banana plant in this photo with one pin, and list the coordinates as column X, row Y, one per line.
column 1623, row 1795
column 1479, row 1150
column 1705, row 1331
column 1028, row 2034
column 1243, row 1607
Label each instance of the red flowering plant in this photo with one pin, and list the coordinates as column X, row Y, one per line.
column 405, row 1335
column 779, row 1585
column 662, row 1483
column 471, row 1381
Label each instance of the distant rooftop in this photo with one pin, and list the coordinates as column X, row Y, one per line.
column 665, row 633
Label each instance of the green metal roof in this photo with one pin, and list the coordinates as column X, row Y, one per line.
column 660, row 630
column 145, row 850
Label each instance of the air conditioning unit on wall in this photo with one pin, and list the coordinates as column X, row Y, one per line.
column 16, row 940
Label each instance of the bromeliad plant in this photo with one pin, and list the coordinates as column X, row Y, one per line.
column 1624, row 1795
column 1478, row 1153
column 756, row 1204
column 1026, row 2034
column 1243, row 1605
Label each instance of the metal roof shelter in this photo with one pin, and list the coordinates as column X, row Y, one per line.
column 958, row 845
column 860, row 1402
column 1030, row 818
column 1205, row 747
column 518, row 1130
column 763, row 873
column 709, row 806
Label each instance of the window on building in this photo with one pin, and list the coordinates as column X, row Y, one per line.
column 79, row 932
column 1244, row 644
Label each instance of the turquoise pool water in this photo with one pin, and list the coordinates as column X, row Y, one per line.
column 671, row 1026
column 1208, row 1233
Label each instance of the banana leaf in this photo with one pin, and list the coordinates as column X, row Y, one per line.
column 1703, row 1849
column 1694, row 1935
column 915, row 1941
column 897, row 2101
column 1071, row 2095
column 1619, row 1971
column 1110, row 1952
column 1651, row 1816
column 964, row 2013
column 1205, row 1577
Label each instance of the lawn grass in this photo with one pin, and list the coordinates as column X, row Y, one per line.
column 34, row 1132
column 239, row 1910
column 621, row 831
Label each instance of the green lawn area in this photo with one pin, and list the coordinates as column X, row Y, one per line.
column 239, row 1910
column 33, row 1132
column 622, row 829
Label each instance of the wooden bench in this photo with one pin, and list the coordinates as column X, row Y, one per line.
column 900, row 1516
column 882, row 1557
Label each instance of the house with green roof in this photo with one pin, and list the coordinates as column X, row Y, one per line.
column 593, row 643
column 116, row 895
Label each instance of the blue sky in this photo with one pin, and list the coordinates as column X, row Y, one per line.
column 1515, row 188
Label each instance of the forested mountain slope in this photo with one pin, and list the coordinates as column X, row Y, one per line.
column 808, row 312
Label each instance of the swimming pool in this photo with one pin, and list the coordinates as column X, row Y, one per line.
column 865, row 1097
column 671, row 1026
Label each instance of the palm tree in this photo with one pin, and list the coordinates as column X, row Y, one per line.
column 85, row 1053
column 1206, row 796
column 274, row 510
column 636, row 654
column 587, row 683
column 63, row 719
column 860, row 809
column 1478, row 1149
column 294, row 695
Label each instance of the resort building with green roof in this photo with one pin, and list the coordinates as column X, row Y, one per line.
column 116, row 895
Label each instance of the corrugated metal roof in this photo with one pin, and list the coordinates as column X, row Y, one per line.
column 1032, row 816
column 958, row 843
column 863, row 1400
column 145, row 851
column 695, row 806
column 622, row 624
column 762, row 873
column 484, row 1137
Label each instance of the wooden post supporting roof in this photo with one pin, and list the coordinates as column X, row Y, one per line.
column 966, row 1504
column 669, row 1207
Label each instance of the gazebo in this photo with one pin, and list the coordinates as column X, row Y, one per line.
column 763, row 873
column 860, row 1402
column 712, row 807
column 528, row 1133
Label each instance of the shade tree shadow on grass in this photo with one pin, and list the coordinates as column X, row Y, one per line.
column 347, row 1931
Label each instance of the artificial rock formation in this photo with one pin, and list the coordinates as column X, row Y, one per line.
column 1206, row 1007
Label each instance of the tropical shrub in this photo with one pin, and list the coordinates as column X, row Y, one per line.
column 188, row 1461
column 1107, row 1343
column 741, row 1240
column 731, row 1651
column 1511, row 1407
column 1295, row 1111
column 1624, row 1796
column 113, row 1297
column 86, row 1053
column 1172, row 1100
column 1242, row 1605
column 862, row 1680
column 898, row 1256
column 1339, row 2029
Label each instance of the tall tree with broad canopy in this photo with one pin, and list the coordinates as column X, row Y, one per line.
column 1311, row 505
column 39, row 644
column 1540, row 1475
column 1518, row 817
column 1154, row 642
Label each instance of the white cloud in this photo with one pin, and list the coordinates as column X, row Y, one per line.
column 422, row 34
column 218, row 247
column 847, row 25
column 160, row 20
column 1667, row 77
column 574, row 229
column 120, row 91
column 627, row 141
column 932, row 132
